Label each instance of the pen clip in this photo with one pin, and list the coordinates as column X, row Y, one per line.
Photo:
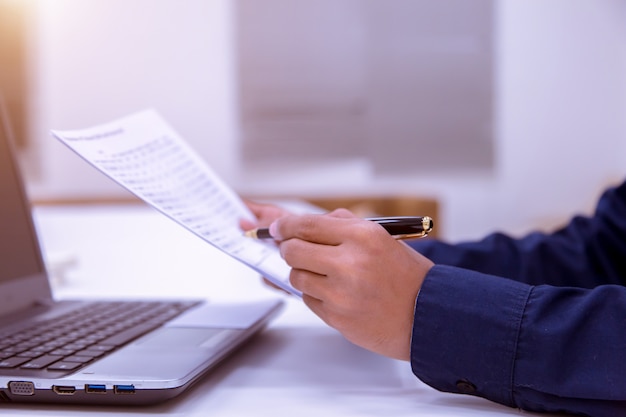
column 411, row 235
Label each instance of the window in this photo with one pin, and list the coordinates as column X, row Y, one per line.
column 406, row 84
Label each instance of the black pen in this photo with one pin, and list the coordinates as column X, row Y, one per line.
column 403, row 227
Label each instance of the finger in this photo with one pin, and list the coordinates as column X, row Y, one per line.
column 256, row 208
column 314, row 304
column 308, row 256
column 265, row 213
column 324, row 229
column 274, row 286
column 321, row 309
column 342, row 213
column 246, row 224
column 308, row 283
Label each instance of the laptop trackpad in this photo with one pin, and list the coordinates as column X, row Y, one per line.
column 185, row 337
column 169, row 353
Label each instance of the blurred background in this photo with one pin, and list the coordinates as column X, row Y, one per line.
column 509, row 114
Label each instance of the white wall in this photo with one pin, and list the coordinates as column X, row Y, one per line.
column 561, row 105
column 101, row 59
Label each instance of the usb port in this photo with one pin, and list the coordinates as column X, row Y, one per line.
column 124, row 389
column 95, row 388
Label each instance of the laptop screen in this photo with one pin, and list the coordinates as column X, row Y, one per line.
column 19, row 249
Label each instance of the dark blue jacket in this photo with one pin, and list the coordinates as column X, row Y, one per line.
column 537, row 323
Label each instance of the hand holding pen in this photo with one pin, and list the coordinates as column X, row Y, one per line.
column 354, row 275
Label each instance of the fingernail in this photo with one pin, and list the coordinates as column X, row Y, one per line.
column 274, row 230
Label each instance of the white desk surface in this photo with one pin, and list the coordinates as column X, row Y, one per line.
column 296, row 367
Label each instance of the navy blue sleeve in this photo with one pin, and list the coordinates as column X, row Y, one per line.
column 539, row 348
column 537, row 323
column 589, row 251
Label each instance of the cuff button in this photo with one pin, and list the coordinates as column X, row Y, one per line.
column 465, row 387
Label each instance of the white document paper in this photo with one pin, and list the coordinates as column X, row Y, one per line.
column 146, row 156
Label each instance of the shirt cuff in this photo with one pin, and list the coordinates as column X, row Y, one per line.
column 466, row 330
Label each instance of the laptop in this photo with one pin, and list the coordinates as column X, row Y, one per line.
column 131, row 352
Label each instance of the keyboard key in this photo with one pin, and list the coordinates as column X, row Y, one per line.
column 90, row 353
column 13, row 362
column 4, row 355
column 127, row 335
column 41, row 362
column 12, row 351
column 65, row 366
column 62, row 352
column 101, row 348
column 29, row 354
column 78, row 359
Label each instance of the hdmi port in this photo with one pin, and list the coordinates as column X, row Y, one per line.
column 64, row 389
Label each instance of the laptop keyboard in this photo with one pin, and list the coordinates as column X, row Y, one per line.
column 83, row 335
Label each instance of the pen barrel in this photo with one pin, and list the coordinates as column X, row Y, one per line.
column 405, row 227
column 263, row 234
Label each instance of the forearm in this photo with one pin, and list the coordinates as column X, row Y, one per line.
column 587, row 252
column 535, row 259
column 539, row 348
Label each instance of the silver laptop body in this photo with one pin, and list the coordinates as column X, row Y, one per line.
column 147, row 352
